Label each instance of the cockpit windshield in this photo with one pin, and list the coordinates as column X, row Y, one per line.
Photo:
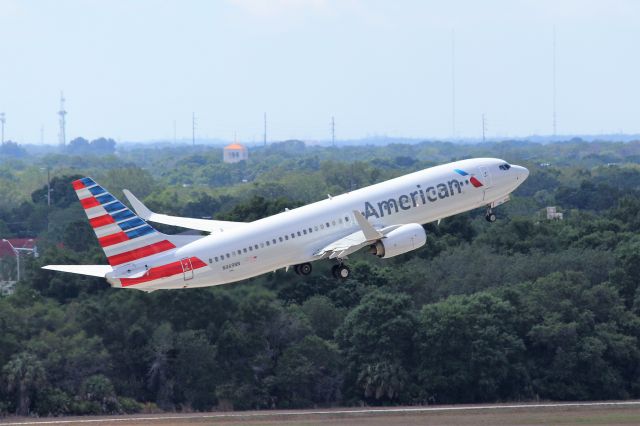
column 505, row 166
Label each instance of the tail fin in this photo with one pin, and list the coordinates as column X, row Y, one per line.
column 124, row 237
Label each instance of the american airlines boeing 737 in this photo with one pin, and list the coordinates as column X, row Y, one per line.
column 386, row 218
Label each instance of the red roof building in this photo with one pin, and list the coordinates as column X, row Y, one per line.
column 18, row 243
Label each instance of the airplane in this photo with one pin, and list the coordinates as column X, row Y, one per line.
column 386, row 218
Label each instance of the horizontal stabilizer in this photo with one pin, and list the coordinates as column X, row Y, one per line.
column 92, row 270
column 205, row 225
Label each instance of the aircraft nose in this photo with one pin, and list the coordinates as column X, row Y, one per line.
column 522, row 173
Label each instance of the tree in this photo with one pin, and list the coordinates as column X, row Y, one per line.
column 23, row 375
column 323, row 316
column 469, row 351
column 377, row 341
column 12, row 149
column 308, row 372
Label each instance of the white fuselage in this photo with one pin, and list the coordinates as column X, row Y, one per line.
column 294, row 236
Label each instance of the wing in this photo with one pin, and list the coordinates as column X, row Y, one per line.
column 206, row 225
column 92, row 270
column 355, row 241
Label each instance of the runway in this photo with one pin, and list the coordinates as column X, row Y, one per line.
column 365, row 415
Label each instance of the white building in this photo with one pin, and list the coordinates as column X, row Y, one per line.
column 235, row 153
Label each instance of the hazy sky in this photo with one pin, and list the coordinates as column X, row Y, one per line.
column 130, row 68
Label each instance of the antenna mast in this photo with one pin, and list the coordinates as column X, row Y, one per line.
column 62, row 136
column 3, row 120
column 174, row 132
column 333, row 131
column 554, row 83
column 453, row 84
column 484, row 127
column 193, row 128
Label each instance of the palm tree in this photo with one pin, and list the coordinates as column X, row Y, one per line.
column 24, row 373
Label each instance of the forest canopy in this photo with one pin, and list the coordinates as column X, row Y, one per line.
column 525, row 308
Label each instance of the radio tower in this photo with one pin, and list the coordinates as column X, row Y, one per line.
column 555, row 122
column 333, row 131
column 484, row 127
column 193, row 129
column 2, row 121
column 265, row 129
column 453, row 84
column 62, row 137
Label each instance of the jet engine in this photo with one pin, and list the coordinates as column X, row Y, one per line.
column 399, row 241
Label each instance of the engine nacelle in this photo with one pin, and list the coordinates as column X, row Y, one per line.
column 399, row 241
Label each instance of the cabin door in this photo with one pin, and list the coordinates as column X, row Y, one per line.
column 187, row 268
column 485, row 178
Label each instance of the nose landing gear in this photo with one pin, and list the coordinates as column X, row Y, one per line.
column 490, row 216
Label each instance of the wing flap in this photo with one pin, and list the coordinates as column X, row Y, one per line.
column 205, row 225
column 356, row 240
column 92, row 270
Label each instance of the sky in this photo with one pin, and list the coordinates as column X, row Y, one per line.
column 130, row 69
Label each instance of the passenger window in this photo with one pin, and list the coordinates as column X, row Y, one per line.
column 250, row 248
column 316, row 228
column 310, row 230
column 286, row 237
column 228, row 256
column 216, row 258
column 256, row 247
column 267, row 243
column 244, row 250
column 280, row 238
column 321, row 226
column 210, row 260
column 346, row 218
column 304, row 231
column 299, row 235
column 327, row 224
column 293, row 235
column 274, row 241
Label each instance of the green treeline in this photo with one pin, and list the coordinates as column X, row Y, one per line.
column 522, row 309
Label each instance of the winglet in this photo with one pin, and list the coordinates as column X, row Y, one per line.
column 370, row 233
column 137, row 205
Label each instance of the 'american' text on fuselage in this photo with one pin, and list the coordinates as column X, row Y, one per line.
column 413, row 199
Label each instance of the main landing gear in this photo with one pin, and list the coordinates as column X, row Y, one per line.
column 341, row 271
column 490, row 216
column 303, row 269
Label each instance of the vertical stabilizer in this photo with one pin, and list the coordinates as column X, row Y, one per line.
column 124, row 237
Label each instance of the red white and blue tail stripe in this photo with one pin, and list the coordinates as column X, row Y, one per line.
column 124, row 237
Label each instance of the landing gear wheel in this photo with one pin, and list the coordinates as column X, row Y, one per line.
column 490, row 217
column 341, row 272
column 304, row 269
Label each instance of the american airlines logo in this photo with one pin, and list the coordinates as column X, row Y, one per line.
column 475, row 182
column 420, row 195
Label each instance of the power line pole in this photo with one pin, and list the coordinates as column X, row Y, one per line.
column 265, row 129
column 333, row 131
column 174, row 132
column 62, row 137
column 484, row 127
column 48, row 186
column 193, row 128
column 3, row 120
column 453, row 84
column 554, row 83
